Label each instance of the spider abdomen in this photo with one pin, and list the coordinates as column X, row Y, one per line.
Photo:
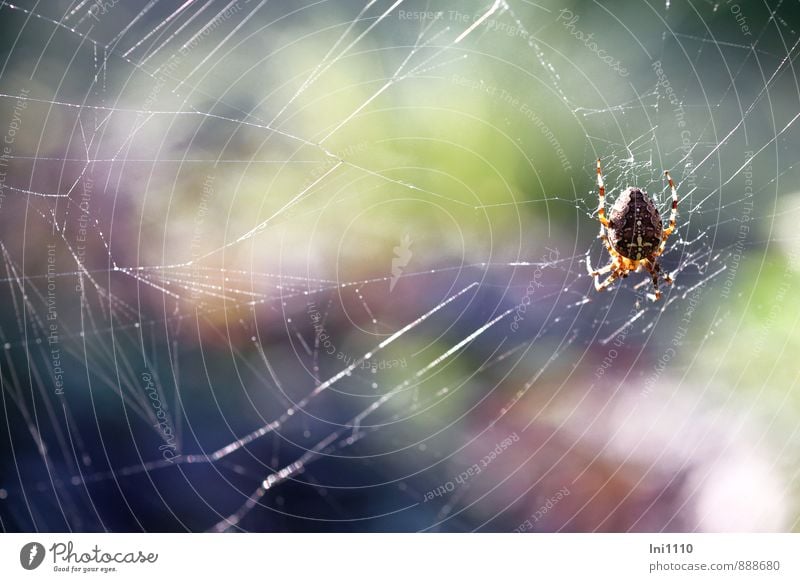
column 635, row 225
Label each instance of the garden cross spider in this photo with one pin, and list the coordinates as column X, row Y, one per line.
column 633, row 235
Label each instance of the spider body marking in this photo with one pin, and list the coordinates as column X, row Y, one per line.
column 635, row 226
column 634, row 235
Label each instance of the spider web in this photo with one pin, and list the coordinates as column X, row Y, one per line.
column 279, row 266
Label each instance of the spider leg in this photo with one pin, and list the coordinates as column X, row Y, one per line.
column 598, row 272
column 673, row 214
column 605, row 284
column 654, row 271
column 601, row 210
column 664, row 274
column 613, row 254
column 603, row 236
column 612, row 267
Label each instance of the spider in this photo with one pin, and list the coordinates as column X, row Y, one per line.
column 633, row 234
